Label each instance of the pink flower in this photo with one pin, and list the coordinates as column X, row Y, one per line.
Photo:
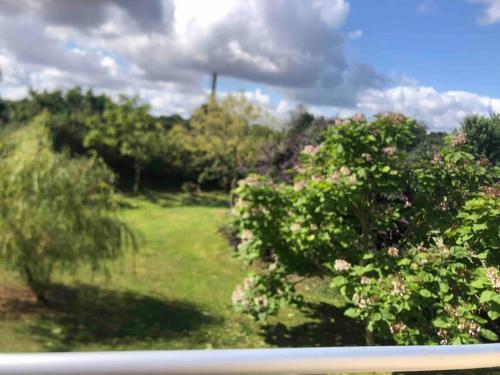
column 457, row 139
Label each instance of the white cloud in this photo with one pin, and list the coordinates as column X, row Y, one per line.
column 492, row 12
column 440, row 110
column 294, row 45
column 163, row 49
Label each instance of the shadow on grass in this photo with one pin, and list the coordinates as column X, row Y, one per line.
column 204, row 200
column 171, row 199
column 329, row 327
column 87, row 314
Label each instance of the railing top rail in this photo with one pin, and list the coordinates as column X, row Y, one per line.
column 255, row 361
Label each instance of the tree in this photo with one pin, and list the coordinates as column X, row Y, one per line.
column 220, row 142
column 483, row 133
column 357, row 214
column 4, row 112
column 128, row 130
column 56, row 213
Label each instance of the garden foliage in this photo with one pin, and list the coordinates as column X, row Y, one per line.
column 412, row 245
column 56, row 213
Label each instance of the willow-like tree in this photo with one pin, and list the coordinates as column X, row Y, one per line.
column 56, row 213
column 128, row 130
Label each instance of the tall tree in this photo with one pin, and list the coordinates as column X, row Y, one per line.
column 127, row 129
column 483, row 133
column 222, row 140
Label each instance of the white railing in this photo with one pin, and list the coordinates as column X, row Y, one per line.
column 255, row 361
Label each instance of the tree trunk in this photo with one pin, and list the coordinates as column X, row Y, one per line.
column 36, row 287
column 137, row 177
column 370, row 339
column 232, row 186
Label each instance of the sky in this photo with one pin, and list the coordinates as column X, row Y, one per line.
column 434, row 60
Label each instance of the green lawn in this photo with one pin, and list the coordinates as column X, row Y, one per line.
column 175, row 293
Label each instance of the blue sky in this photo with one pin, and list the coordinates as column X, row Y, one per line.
column 435, row 60
column 442, row 45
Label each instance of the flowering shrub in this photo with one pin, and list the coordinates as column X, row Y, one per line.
column 392, row 234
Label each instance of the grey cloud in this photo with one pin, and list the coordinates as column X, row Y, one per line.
column 294, row 45
column 149, row 15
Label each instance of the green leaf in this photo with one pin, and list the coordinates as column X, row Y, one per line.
column 488, row 335
column 493, row 315
column 351, row 313
column 443, row 287
column 486, row 296
column 338, row 281
column 440, row 323
column 425, row 293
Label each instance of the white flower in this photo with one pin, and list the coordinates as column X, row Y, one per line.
column 365, row 280
column 295, row 227
column 398, row 327
column 341, row 265
column 398, row 286
column 334, row 178
column 362, row 302
column 457, row 139
column 240, row 295
column 493, row 275
column 345, row 171
column 437, row 159
column 391, row 150
column 310, row 150
column 393, row 251
column 472, row 328
column 299, row 186
column 352, row 179
column 366, row 156
column 246, row 235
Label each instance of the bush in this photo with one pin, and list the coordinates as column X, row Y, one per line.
column 362, row 213
column 483, row 133
column 55, row 212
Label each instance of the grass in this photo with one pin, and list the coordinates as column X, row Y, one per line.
column 174, row 294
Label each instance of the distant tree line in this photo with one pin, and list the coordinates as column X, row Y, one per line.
column 223, row 140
